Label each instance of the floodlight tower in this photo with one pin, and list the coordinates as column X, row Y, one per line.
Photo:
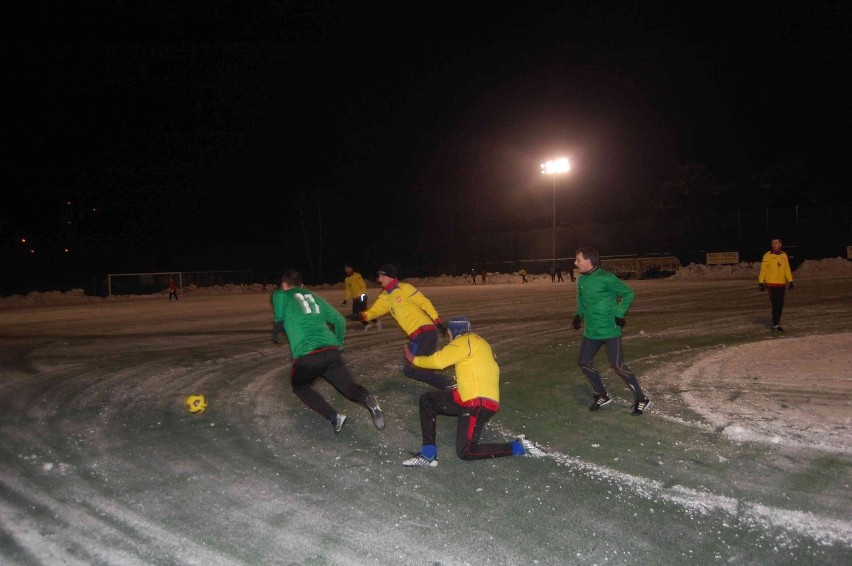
column 553, row 168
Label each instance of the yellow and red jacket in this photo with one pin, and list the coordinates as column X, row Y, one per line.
column 477, row 372
column 355, row 286
column 409, row 307
column 774, row 269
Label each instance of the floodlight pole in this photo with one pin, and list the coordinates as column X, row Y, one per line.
column 553, row 168
column 553, row 265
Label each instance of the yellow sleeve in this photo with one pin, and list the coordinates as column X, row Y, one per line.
column 449, row 355
column 787, row 273
column 763, row 263
column 379, row 307
column 476, row 369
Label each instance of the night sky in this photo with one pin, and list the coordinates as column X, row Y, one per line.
column 382, row 126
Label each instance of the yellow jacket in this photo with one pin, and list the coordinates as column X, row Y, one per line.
column 407, row 305
column 775, row 269
column 477, row 372
column 355, row 286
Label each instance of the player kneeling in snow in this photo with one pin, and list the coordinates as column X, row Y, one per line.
column 474, row 402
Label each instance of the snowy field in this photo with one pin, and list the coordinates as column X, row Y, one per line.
column 745, row 456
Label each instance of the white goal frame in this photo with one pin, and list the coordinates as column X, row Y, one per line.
column 154, row 282
column 145, row 274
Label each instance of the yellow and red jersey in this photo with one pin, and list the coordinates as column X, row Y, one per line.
column 477, row 372
column 775, row 269
column 355, row 286
column 409, row 307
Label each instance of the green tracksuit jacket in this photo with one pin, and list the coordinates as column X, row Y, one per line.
column 601, row 297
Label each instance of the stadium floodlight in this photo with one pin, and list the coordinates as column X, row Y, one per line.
column 553, row 168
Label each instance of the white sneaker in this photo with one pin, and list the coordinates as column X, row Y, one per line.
column 530, row 448
column 420, row 460
column 338, row 423
column 376, row 412
column 378, row 324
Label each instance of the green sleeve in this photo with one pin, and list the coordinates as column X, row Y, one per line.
column 621, row 289
column 277, row 305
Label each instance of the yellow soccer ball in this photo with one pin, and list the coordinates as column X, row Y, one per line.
column 196, row 404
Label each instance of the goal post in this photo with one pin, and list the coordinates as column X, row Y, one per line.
column 153, row 283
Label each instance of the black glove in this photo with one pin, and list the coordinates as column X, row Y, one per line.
column 761, row 287
column 576, row 322
column 441, row 328
column 355, row 317
column 791, row 285
column 277, row 328
column 619, row 321
column 344, row 302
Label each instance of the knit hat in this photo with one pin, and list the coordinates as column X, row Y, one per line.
column 387, row 269
column 459, row 325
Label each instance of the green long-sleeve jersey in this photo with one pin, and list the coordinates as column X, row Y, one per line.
column 601, row 297
column 306, row 318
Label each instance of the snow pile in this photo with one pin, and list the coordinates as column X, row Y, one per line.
column 743, row 270
column 828, row 267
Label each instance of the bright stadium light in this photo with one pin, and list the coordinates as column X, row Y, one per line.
column 553, row 168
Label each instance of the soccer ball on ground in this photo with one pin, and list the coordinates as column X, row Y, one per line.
column 196, row 403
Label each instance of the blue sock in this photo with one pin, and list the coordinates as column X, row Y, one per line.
column 518, row 448
column 429, row 451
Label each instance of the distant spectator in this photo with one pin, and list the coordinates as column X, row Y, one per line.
column 523, row 273
column 482, row 274
column 559, row 275
column 473, row 275
column 173, row 289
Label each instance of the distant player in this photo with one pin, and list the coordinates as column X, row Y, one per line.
column 774, row 275
column 316, row 350
column 356, row 289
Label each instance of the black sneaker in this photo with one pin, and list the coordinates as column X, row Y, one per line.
column 599, row 401
column 777, row 328
column 376, row 412
column 640, row 405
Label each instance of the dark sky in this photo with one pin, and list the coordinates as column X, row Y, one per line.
column 218, row 122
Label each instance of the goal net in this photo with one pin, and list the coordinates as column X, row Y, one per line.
column 155, row 283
